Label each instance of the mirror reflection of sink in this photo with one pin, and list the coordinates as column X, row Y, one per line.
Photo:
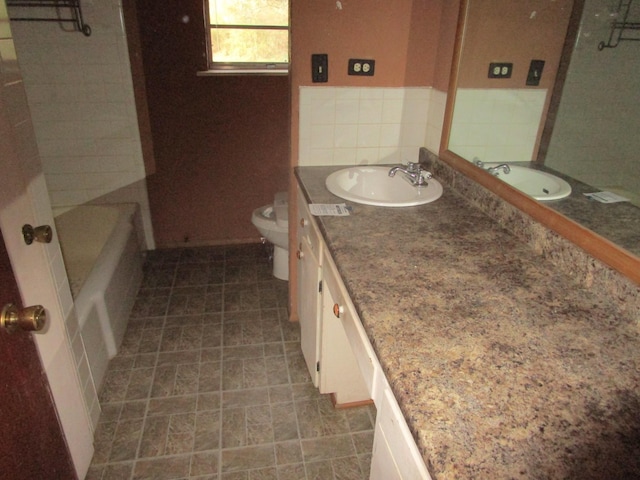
column 374, row 186
column 535, row 183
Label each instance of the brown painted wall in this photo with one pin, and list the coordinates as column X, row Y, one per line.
column 224, row 145
column 221, row 144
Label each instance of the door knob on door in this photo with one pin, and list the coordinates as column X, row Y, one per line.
column 29, row 318
column 42, row 234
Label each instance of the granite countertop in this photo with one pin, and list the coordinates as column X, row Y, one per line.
column 503, row 366
column 618, row 222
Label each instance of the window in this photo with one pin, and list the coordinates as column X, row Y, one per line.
column 248, row 35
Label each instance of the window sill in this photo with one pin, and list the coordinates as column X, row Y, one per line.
column 236, row 72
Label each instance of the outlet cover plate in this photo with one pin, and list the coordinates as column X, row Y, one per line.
column 358, row 66
column 500, row 70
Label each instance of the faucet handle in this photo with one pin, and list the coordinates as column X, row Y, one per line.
column 413, row 167
column 423, row 177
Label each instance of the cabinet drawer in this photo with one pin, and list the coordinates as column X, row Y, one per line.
column 306, row 224
column 358, row 340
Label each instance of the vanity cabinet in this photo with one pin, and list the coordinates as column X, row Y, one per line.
column 340, row 357
column 309, row 288
column 325, row 346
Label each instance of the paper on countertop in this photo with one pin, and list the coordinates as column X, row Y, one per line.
column 606, row 197
column 329, row 209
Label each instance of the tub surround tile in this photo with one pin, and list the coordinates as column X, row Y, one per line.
column 508, row 359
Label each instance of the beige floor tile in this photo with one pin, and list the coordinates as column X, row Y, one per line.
column 210, row 382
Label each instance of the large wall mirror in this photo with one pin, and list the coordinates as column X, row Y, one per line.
column 576, row 117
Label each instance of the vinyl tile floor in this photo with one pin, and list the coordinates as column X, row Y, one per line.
column 210, row 382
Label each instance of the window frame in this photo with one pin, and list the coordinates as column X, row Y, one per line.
column 220, row 68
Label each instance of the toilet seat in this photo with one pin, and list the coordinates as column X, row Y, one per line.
column 265, row 217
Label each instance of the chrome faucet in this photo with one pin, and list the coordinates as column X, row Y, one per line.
column 413, row 173
column 496, row 170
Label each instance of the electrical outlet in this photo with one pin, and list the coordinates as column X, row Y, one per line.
column 361, row 67
column 500, row 70
column 319, row 68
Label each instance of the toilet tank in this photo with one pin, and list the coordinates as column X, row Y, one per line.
column 281, row 208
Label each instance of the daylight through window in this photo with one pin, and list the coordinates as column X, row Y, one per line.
column 248, row 34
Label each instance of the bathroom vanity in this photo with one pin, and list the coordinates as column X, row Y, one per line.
column 340, row 358
column 483, row 359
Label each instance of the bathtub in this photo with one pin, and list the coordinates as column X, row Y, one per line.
column 102, row 255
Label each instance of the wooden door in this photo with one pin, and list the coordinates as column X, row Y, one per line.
column 33, row 445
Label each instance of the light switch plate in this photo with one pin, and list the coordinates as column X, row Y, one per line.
column 319, row 68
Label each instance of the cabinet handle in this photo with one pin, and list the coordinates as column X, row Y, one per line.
column 299, row 254
column 304, row 222
column 337, row 310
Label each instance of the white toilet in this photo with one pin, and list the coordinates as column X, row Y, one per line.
column 273, row 223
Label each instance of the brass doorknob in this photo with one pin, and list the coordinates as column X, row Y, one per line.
column 42, row 234
column 29, row 318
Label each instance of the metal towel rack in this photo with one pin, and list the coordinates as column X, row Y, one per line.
column 71, row 8
column 620, row 25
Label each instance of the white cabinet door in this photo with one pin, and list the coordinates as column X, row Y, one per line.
column 383, row 465
column 309, row 274
column 308, row 254
column 339, row 371
column 395, row 454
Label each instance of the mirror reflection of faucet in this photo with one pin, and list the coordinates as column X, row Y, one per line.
column 413, row 173
column 493, row 170
column 496, row 170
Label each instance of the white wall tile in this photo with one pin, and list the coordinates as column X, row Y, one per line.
column 366, row 156
column 392, row 109
column 344, row 156
column 390, row 134
column 345, row 136
column 346, row 110
column 370, row 125
column 368, row 135
column 370, row 111
column 322, row 136
column 485, row 121
column 81, row 94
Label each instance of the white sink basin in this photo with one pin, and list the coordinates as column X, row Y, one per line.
column 374, row 186
column 535, row 183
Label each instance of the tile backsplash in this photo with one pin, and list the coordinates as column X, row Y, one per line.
column 362, row 125
column 496, row 124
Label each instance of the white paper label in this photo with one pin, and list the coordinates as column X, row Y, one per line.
column 606, row 197
column 329, row 209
